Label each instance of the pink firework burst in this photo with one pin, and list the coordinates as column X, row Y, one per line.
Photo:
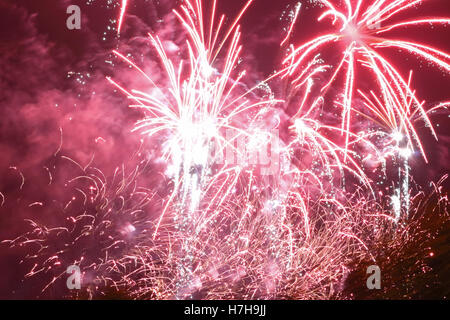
column 202, row 228
column 360, row 32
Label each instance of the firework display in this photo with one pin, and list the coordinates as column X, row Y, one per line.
column 244, row 186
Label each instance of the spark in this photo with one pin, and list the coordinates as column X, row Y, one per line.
column 294, row 15
column 123, row 10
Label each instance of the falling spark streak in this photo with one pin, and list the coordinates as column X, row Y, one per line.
column 294, row 20
column 123, row 9
column 415, row 23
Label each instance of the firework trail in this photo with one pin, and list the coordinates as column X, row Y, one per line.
column 227, row 227
column 123, row 9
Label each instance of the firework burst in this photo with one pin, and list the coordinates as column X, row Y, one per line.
column 360, row 34
column 219, row 226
